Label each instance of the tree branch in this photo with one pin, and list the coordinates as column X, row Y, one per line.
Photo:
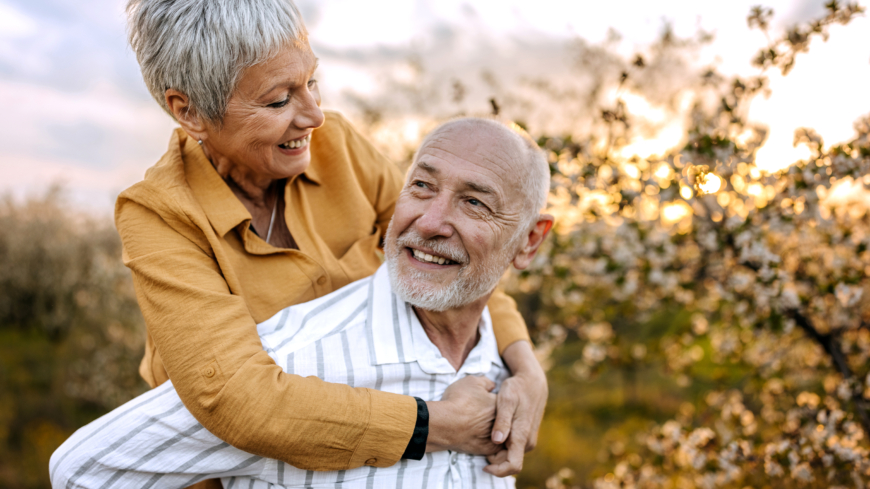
column 831, row 345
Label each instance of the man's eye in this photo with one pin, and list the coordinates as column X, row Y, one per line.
column 419, row 184
column 278, row 105
column 475, row 202
column 312, row 83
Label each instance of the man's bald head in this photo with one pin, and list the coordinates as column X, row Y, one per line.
column 532, row 173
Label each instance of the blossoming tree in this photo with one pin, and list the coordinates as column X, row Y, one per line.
column 774, row 269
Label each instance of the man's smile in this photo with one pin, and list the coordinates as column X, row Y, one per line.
column 430, row 257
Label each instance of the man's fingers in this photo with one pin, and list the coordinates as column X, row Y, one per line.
column 506, row 407
column 487, row 383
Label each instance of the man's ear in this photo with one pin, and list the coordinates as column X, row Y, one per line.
column 533, row 241
column 179, row 105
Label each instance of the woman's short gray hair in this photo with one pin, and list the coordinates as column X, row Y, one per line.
column 201, row 47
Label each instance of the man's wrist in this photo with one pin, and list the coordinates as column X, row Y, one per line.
column 438, row 413
column 417, row 445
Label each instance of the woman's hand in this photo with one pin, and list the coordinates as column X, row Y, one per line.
column 521, row 402
column 462, row 420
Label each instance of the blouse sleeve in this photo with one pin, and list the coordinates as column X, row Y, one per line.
column 209, row 345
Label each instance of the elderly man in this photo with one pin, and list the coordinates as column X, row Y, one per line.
column 469, row 209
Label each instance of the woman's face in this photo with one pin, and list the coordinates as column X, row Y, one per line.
column 269, row 119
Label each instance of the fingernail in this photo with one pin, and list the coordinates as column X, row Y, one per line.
column 497, row 436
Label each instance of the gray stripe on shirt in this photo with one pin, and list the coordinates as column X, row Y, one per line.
column 309, row 477
column 342, row 325
column 350, row 289
column 245, row 463
column 406, row 383
column 397, row 330
column 401, row 475
column 153, row 453
column 281, row 321
column 190, row 463
column 380, row 377
column 166, row 390
column 318, row 358
column 370, row 483
column 429, row 461
column 291, row 367
column 370, row 303
column 348, row 361
column 111, row 448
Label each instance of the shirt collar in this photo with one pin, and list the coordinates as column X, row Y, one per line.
column 223, row 208
column 397, row 336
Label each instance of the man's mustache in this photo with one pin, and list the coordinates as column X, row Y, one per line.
column 439, row 246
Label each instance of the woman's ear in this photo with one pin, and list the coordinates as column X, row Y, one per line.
column 179, row 105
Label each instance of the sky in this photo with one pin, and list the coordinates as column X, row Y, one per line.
column 76, row 112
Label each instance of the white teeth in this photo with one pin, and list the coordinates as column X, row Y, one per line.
column 429, row 258
column 297, row 143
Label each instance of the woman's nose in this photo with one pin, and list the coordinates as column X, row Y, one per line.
column 309, row 115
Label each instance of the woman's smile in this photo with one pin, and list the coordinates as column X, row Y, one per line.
column 295, row 146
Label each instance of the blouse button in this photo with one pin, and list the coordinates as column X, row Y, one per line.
column 208, row 372
column 321, row 280
column 371, row 461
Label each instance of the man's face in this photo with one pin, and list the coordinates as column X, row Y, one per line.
column 455, row 228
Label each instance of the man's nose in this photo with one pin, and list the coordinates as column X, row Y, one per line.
column 436, row 220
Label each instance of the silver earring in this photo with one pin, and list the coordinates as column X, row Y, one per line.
column 200, row 141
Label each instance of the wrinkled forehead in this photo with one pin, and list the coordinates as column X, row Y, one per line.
column 478, row 151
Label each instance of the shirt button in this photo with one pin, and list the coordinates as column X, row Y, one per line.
column 371, row 461
column 454, row 458
column 321, row 280
column 208, row 372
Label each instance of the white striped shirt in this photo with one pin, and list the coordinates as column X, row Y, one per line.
column 372, row 338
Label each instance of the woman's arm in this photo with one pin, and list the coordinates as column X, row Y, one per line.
column 522, row 397
column 209, row 346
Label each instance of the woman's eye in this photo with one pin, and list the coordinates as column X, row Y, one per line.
column 312, row 83
column 420, row 184
column 278, row 105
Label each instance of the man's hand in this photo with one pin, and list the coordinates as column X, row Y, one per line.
column 462, row 420
column 521, row 402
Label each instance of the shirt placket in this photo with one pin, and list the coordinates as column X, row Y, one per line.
column 455, row 477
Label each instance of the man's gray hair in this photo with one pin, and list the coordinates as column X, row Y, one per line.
column 201, row 47
column 536, row 182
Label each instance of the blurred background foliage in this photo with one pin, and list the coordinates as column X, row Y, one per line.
column 704, row 322
column 71, row 334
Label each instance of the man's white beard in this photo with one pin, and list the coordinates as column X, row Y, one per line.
column 469, row 285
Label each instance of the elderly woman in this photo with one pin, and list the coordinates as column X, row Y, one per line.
column 263, row 201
